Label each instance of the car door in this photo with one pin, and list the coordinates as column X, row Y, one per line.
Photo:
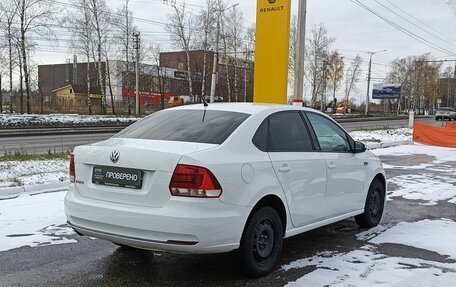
column 346, row 171
column 300, row 169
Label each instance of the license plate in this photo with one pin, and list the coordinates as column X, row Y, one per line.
column 117, row 176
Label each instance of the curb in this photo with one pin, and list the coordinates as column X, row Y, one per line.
column 11, row 192
column 58, row 132
column 389, row 144
column 14, row 192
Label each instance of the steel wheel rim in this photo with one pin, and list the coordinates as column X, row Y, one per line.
column 375, row 203
column 264, row 240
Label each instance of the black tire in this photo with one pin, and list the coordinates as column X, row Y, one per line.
column 373, row 209
column 261, row 243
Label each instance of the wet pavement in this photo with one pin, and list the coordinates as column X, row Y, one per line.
column 93, row 262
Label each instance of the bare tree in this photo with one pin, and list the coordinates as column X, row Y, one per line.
column 160, row 77
column 419, row 79
column 249, row 50
column 448, row 72
column 125, row 31
column 34, row 17
column 318, row 47
column 82, row 40
column 21, row 77
column 235, row 36
column 293, row 49
column 352, row 76
column 109, row 50
column 181, row 29
column 335, row 73
column 2, row 72
column 100, row 22
column 206, row 22
column 9, row 33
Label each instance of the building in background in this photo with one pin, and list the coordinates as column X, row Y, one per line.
column 157, row 83
column 235, row 75
column 73, row 98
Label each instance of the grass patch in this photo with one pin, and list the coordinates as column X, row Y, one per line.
column 24, row 156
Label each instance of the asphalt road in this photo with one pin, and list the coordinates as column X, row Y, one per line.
column 93, row 262
column 58, row 143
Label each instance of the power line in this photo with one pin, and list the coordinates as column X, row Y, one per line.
column 408, row 21
column 422, row 22
column 403, row 30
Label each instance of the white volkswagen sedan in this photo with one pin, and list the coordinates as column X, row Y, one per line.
column 226, row 177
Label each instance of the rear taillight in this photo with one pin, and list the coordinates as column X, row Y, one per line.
column 194, row 181
column 72, row 170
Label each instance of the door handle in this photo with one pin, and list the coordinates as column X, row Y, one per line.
column 284, row 168
column 331, row 165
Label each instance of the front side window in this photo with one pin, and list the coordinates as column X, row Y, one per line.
column 288, row 133
column 330, row 136
column 199, row 126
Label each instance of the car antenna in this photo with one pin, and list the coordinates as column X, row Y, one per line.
column 205, row 106
column 204, row 102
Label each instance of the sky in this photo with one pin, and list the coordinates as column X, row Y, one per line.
column 354, row 28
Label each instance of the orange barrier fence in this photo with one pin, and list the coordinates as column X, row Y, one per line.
column 436, row 136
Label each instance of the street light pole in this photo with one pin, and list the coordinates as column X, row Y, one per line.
column 299, row 65
column 216, row 54
column 371, row 54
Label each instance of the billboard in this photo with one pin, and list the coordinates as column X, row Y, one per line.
column 386, row 91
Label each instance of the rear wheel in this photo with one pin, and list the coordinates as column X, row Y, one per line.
column 261, row 243
column 373, row 209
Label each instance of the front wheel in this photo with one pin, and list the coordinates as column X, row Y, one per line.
column 261, row 243
column 373, row 209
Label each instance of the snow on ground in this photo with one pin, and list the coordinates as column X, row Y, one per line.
column 441, row 154
column 382, row 136
column 18, row 173
column 33, row 221
column 367, row 267
column 13, row 120
column 434, row 235
column 436, row 183
column 417, row 187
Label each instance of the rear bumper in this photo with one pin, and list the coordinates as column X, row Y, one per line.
column 183, row 225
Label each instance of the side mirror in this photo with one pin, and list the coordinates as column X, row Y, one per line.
column 360, row 147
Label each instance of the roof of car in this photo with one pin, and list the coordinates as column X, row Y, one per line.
column 248, row 108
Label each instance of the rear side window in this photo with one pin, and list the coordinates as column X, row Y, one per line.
column 288, row 133
column 212, row 127
column 260, row 139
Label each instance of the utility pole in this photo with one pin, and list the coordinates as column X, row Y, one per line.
column 371, row 54
column 299, row 65
column 136, row 46
column 216, row 55
column 323, row 94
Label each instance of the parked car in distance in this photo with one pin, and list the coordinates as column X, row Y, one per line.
column 445, row 114
column 195, row 179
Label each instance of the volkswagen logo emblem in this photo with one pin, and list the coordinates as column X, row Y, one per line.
column 115, row 155
column 272, row 1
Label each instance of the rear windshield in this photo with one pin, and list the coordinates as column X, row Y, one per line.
column 212, row 127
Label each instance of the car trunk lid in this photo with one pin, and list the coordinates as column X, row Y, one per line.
column 154, row 161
